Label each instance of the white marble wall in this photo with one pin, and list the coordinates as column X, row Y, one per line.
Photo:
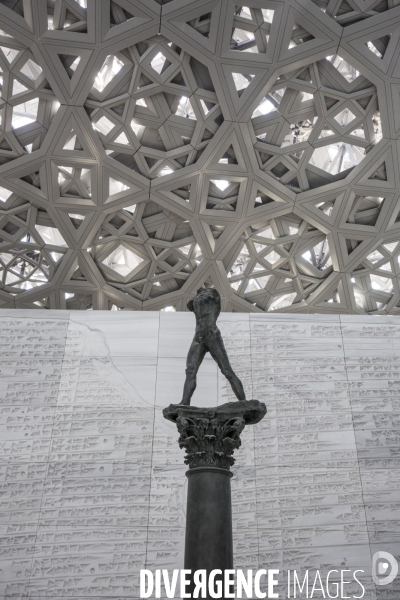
column 92, row 480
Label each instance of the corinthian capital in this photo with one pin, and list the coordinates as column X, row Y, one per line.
column 210, row 435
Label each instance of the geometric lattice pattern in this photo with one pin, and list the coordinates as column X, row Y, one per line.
column 148, row 148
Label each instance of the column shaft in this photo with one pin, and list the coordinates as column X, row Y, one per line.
column 208, row 543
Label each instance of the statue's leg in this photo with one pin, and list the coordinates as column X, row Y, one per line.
column 194, row 359
column 217, row 350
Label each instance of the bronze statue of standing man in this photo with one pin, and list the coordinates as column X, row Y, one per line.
column 206, row 306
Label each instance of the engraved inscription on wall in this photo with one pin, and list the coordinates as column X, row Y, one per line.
column 92, row 484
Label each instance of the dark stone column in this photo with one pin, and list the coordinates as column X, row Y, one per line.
column 208, row 541
column 209, row 436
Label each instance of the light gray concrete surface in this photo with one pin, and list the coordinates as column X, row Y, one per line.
column 92, row 480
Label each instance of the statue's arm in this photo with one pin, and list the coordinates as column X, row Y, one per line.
column 218, row 306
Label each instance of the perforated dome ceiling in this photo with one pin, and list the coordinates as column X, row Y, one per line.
column 149, row 148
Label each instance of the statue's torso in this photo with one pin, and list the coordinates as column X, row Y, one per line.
column 206, row 309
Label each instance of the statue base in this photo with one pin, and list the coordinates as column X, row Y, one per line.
column 251, row 411
column 209, row 436
column 208, row 536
